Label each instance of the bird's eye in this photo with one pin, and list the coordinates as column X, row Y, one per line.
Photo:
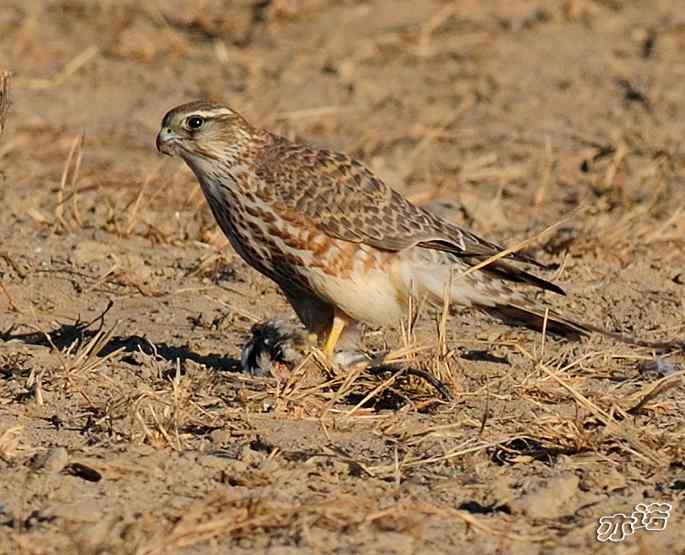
column 195, row 122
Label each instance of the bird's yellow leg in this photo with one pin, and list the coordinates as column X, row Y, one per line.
column 333, row 336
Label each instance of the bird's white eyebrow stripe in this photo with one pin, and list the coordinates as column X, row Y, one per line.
column 211, row 113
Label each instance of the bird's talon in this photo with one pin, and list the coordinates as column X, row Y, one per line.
column 348, row 360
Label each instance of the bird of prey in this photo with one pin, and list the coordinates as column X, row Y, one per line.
column 343, row 246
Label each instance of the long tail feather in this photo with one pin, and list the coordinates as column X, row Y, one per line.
column 512, row 273
column 488, row 291
column 533, row 316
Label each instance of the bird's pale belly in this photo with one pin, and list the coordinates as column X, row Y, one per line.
column 369, row 297
column 358, row 279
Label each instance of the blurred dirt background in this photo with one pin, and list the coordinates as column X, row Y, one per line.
column 130, row 430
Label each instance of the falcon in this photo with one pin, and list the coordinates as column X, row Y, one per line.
column 343, row 246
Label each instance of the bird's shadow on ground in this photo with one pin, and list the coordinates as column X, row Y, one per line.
column 77, row 335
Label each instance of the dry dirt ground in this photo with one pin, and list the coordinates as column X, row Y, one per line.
column 133, row 432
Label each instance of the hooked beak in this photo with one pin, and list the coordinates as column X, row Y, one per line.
column 167, row 141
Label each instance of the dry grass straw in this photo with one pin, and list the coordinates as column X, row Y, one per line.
column 610, row 413
column 4, row 98
column 221, row 515
column 622, row 430
column 86, row 358
column 70, row 173
column 651, row 221
column 637, row 403
column 66, row 72
column 522, row 244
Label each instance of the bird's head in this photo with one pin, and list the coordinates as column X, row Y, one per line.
column 203, row 131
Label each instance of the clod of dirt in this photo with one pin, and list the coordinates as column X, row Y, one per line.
column 88, row 253
column 51, row 461
column 252, row 456
column 660, row 366
column 678, row 485
column 476, row 508
column 83, row 471
column 561, row 240
column 550, row 500
column 217, row 20
column 84, row 511
column 92, row 536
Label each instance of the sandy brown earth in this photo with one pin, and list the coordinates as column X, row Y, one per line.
column 131, row 430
